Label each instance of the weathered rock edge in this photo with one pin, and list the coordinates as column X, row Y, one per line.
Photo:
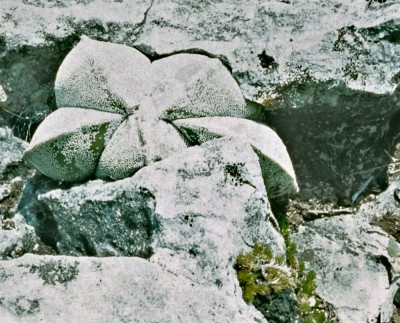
column 193, row 213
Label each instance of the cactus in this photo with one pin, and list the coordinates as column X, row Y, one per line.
column 118, row 112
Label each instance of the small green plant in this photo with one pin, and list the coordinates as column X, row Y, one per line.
column 265, row 277
column 310, row 307
column 259, row 273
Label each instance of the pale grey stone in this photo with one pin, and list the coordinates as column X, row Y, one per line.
column 277, row 42
column 65, row 289
column 353, row 263
column 265, row 43
column 16, row 237
column 193, row 213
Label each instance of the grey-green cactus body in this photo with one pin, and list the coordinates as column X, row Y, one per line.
column 118, row 112
column 71, row 155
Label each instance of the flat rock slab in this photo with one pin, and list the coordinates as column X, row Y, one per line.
column 34, row 22
column 283, row 41
column 68, row 289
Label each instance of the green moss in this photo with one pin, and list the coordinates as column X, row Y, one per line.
column 260, row 272
column 291, row 250
column 279, row 288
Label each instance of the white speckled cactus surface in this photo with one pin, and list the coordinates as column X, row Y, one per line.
column 118, row 112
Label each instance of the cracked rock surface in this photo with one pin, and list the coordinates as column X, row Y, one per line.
column 264, row 42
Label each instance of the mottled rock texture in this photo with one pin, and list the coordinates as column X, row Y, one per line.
column 61, row 289
column 11, row 150
column 264, row 42
column 16, row 237
column 193, row 213
column 357, row 265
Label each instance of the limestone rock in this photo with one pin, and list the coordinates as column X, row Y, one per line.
column 16, row 237
column 36, row 22
column 95, row 219
column 54, row 289
column 352, row 260
column 264, row 43
column 277, row 169
column 211, row 207
column 13, row 172
column 193, row 213
column 267, row 42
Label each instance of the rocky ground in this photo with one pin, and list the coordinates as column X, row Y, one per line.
column 324, row 75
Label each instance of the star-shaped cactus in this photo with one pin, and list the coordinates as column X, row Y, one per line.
column 118, row 112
